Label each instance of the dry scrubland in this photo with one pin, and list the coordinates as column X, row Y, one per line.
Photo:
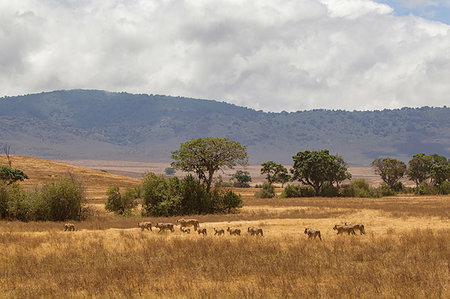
column 405, row 252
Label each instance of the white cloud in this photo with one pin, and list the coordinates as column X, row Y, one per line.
column 272, row 55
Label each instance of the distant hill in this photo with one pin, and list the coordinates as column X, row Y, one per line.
column 92, row 124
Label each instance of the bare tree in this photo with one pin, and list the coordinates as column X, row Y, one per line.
column 7, row 150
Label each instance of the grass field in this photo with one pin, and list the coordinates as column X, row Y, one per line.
column 404, row 253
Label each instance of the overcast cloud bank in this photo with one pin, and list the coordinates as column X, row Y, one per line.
column 271, row 55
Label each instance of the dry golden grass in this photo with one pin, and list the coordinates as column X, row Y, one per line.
column 41, row 171
column 130, row 264
column 405, row 253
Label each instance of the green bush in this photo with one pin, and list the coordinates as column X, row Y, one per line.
column 307, row 191
column 445, row 188
column 118, row 203
column 426, row 189
column 329, row 190
column 171, row 196
column 398, row 187
column 63, row 199
column 385, row 190
column 4, row 199
column 291, row 191
column 267, row 191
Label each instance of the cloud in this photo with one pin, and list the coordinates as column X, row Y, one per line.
column 271, row 55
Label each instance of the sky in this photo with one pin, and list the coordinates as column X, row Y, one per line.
column 270, row 55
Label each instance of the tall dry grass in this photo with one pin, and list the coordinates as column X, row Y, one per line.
column 129, row 264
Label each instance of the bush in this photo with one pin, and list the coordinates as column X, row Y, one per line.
column 445, row 188
column 121, row 204
column 359, row 188
column 267, row 191
column 329, row 190
column 398, row 187
column 62, row 200
column 426, row 189
column 291, row 191
column 160, row 195
column 171, row 196
column 385, row 190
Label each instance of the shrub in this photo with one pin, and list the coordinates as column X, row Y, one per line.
column 329, row 190
column 171, row 196
column 121, row 204
column 398, row 187
column 230, row 202
column 426, row 189
column 307, row 191
column 291, row 191
column 160, row 195
column 385, row 190
column 267, row 191
column 4, row 199
column 445, row 188
column 62, row 199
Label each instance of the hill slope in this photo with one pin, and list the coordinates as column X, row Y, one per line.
column 42, row 171
column 90, row 124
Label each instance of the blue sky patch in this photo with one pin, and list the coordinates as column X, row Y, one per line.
column 436, row 10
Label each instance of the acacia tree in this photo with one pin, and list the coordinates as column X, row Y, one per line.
column 11, row 175
column 390, row 170
column 205, row 156
column 440, row 170
column 275, row 173
column 419, row 168
column 314, row 168
column 242, row 178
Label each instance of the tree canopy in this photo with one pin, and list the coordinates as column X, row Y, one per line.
column 390, row 170
column 419, row 168
column 314, row 168
column 205, row 156
column 275, row 173
column 242, row 178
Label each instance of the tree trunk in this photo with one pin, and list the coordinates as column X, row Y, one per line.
column 209, row 182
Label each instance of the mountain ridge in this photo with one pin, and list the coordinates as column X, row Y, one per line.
column 77, row 124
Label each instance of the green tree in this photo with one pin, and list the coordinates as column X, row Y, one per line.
column 419, row 169
column 440, row 170
column 169, row 171
column 205, row 156
column 11, row 175
column 314, row 168
column 275, row 173
column 120, row 203
column 242, row 179
column 390, row 170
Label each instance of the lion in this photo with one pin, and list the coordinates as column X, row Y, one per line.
column 358, row 226
column 255, row 231
column 69, row 227
column 344, row 228
column 219, row 231
column 313, row 233
column 185, row 230
column 145, row 225
column 189, row 222
column 164, row 226
column 234, row 231
column 202, row 231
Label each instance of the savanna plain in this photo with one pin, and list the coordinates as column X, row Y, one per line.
column 404, row 253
